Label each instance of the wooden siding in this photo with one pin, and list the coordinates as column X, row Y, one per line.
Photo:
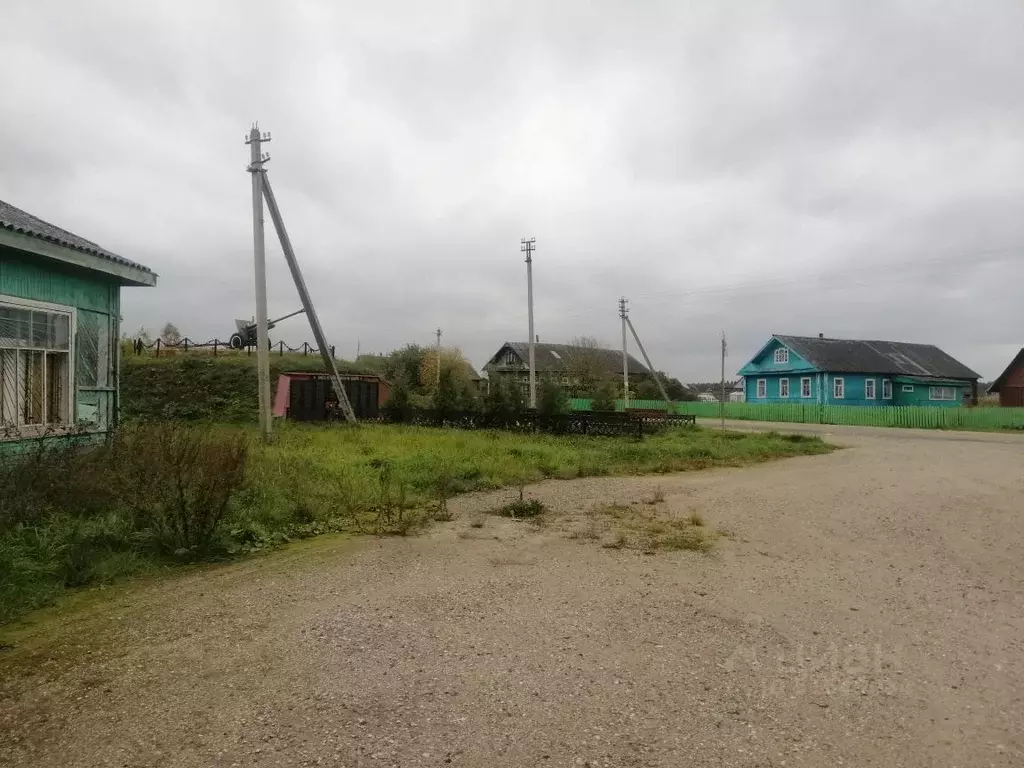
column 95, row 297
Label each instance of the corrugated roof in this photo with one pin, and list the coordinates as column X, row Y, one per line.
column 887, row 357
column 557, row 357
column 15, row 219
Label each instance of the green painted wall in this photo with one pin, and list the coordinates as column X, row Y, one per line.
column 96, row 299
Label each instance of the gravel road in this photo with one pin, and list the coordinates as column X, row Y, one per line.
column 867, row 610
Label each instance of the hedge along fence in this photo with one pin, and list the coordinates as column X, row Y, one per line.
column 920, row 417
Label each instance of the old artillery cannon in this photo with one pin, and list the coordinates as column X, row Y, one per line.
column 245, row 336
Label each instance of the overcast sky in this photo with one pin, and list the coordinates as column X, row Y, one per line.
column 850, row 168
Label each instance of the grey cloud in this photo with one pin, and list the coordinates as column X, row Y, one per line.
column 792, row 167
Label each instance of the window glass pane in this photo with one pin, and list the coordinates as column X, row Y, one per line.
column 57, row 387
column 15, row 327
column 31, row 371
column 87, row 349
column 60, row 331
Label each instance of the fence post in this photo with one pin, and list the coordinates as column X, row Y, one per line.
column 248, row 350
column 186, row 343
column 332, row 351
column 305, row 348
column 280, row 349
column 214, row 347
column 158, row 347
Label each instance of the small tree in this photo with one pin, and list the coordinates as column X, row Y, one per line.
column 552, row 399
column 399, row 404
column 170, row 334
column 446, row 394
column 604, row 397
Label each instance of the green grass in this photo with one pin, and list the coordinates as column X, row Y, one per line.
column 96, row 521
column 196, row 386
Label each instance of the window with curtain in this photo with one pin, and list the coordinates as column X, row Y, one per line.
column 35, row 368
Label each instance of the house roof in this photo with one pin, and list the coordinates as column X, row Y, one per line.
column 550, row 358
column 887, row 357
column 1016, row 363
column 21, row 222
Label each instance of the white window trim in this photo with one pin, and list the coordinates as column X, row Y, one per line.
column 886, row 382
column 782, row 356
column 762, row 389
column 838, row 388
column 810, row 388
column 784, row 379
column 21, row 432
column 908, row 388
column 931, row 394
column 874, row 389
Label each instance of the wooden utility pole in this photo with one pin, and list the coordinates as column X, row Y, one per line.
column 650, row 367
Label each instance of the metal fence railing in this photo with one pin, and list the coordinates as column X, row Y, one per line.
column 217, row 347
column 913, row 416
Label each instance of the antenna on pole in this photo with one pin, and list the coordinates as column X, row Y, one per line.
column 624, row 314
column 528, row 246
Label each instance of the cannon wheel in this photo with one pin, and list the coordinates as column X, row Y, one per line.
column 236, row 341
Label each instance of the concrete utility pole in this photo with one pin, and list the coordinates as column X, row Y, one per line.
column 307, row 303
column 721, row 406
column 256, row 160
column 439, row 358
column 528, row 247
column 650, row 366
column 624, row 314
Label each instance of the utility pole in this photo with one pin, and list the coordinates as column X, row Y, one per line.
column 439, row 359
column 624, row 314
column 256, row 160
column 307, row 303
column 650, row 366
column 721, row 405
column 528, row 247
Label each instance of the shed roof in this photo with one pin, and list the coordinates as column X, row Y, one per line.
column 15, row 220
column 1016, row 363
column 552, row 358
column 868, row 356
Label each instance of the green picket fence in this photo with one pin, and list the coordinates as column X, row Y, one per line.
column 919, row 417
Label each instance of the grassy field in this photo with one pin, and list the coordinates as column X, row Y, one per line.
column 163, row 495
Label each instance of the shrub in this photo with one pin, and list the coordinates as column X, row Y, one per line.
column 604, row 398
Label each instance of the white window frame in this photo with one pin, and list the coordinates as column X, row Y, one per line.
column 887, row 389
column 942, row 390
column 762, row 389
column 784, row 380
column 806, row 388
column 781, row 356
column 908, row 388
column 874, row 389
column 21, row 431
column 838, row 388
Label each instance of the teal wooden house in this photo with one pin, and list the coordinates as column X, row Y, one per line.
column 809, row 369
column 60, row 301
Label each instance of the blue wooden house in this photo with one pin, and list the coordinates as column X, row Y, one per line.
column 809, row 369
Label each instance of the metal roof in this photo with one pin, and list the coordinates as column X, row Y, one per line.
column 20, row 221
column 557, row 357
column 886, row 357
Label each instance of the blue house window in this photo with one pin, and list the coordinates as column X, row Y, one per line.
column 838, row 388
column 942, row 393
column 886, row 389
column 762, row 388
column 781, row 356
column 783, row 387
column 805, row 386
column 869, row 389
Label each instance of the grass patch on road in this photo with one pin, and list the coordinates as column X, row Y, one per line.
column 161, row 495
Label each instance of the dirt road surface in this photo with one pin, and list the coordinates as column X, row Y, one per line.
column 867, row 610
